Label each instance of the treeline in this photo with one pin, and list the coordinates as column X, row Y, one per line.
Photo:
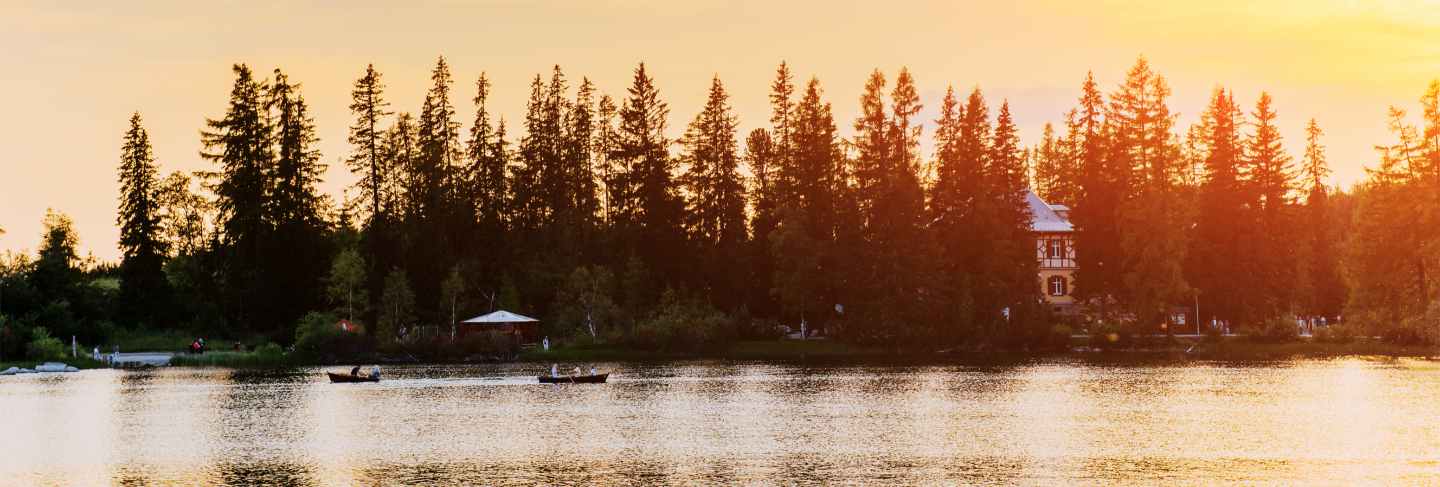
column 603, row 222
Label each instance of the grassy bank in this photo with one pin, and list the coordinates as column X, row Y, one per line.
column 1240, row 349
column 77, row 362
column 263, row 358
column 778, row 350
column 1228, row 349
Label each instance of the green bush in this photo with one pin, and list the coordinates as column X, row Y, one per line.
column 1277, row 330
column 42, row 346
column 680, row 324
column 1106, row 336
column 317, row 338
column 1405, row 334
column 1059, row 337
column 1335, row 334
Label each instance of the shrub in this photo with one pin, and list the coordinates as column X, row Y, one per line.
column 42, row 346
column 1405, row 334
column 1277, row 330
column 680, row 324
column 317, row 338
column 1107, row 336
column 1059, row 337
column 1335, row 334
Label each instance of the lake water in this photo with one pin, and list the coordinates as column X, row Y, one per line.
column 1344, row 421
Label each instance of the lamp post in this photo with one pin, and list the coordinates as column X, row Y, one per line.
column 1197, row 313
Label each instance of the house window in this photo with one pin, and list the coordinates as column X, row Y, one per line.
column 1058, row 286
column 1057, row 249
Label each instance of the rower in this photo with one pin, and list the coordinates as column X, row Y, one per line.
column 593, row 371
column 375, row 372
column 355, row 372
column 554, row 370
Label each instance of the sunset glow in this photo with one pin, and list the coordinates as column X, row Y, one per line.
column 80, row 70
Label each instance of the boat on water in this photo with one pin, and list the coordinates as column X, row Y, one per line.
column 344, row 378
column 573, row 379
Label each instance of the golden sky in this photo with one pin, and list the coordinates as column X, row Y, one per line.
column 71, row 75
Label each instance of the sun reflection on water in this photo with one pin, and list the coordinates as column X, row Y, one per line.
column 1056, row 422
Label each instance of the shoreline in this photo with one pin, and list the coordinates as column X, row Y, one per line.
column 1230, row 350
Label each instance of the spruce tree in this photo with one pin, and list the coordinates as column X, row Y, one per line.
column 1270, row 178
column 1012, row 265
column 143, row 286
column 1218, row 254
column 649, row 209
column 240, row 143
column 1103, row 188
column 715, row 206
column 368, row 105
column 297, row 252
column 1153, row 223
column 1321, row 280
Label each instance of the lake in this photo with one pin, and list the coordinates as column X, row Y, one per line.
column 1343, row 421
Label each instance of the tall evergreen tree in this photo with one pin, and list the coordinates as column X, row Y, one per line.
column 368, row 105
column 297, row 251
column 715, row 216
column 1103, row 188
column 807, row 181
column 240, row 144
column 1323, row 289
column 956, row 204
column 1152, row 223
column 1012, row 265
column 143, row 288
column 761, row 158
column 649, row 209
column 1218, row 254
column 1270, row 178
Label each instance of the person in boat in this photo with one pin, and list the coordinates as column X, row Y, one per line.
column 554, row 370
column 593, row 371
column 375, row 372
column 576, row 372
column 355, row 372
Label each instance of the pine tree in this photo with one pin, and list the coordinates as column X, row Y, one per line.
column 1270, row 178
column 807, row 181
column 240, row 143
column 1103, row 188
column 369, row 107
column 648, row 207
column 487, row 185
column 1012, row 266
column 962, row 140
column 1153, row 223
column 1323, row 289
column 761, row 158
column 1218, row 254
column 715, row 216
column 143, row 287
column 297, row 251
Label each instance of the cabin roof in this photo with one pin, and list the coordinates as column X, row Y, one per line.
column 500, row 317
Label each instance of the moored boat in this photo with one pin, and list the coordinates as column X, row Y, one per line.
column 574, row 379
column 339, row 378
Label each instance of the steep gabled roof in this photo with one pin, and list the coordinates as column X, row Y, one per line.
column 1044, row 218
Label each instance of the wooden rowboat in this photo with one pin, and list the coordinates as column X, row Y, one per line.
column 339, row 378
column 577, row 379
